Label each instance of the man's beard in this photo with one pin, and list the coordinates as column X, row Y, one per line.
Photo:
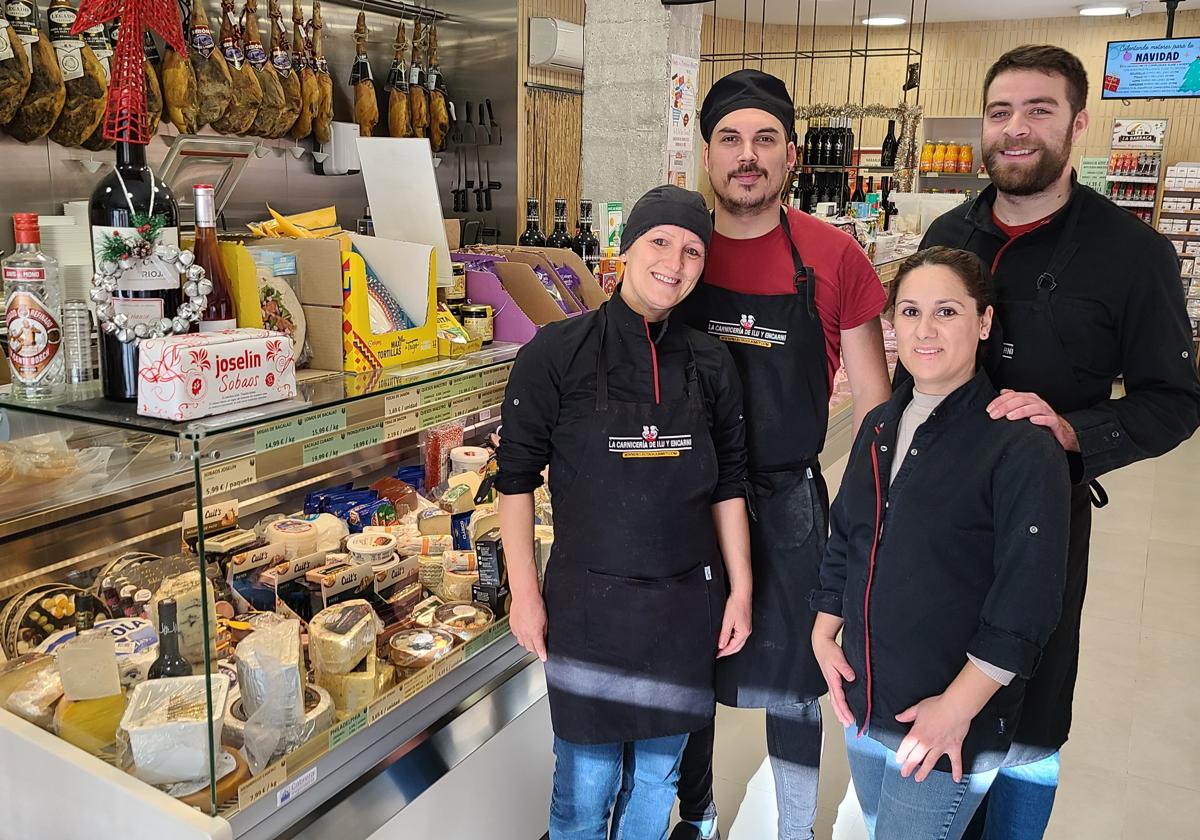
column 738, row 202
column 1026, row 180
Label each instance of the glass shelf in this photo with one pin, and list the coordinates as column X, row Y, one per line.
column 315, row 394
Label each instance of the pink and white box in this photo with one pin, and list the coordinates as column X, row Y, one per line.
column 184, row 377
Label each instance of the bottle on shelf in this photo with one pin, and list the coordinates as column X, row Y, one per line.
column 870, row 184
column 145, row 294
column 825, row 145
column 85, row 613
column 891, row 146
column 170, row 662
column 533, row 236
column 844, row 191
column 858, row 195
column 110, row 596
column 33, row 314
column 837, row 148
column 585, row 244
column 220, row 313
column 809, row 152
column 848, row 147
column 559, row 237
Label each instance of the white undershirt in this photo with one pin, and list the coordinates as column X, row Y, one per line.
column 916, row 413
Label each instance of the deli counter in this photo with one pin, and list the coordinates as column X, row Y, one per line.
column 323, row 701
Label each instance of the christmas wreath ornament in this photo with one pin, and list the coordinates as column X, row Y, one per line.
column 118, row 255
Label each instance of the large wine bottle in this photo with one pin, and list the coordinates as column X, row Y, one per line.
column 145, row 293
column 890, row 146
column 533, row 236
column 559, row 237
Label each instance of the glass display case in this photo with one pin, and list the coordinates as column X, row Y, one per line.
column 316, row 647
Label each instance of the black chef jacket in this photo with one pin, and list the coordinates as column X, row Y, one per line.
column 558, row 367
column 1117, row 308
column 1119, row 311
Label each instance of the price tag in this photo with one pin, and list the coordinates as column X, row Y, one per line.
column 275, row 435
column 228, row 476
column 485, row 414
column 401, row 402
column 466, row 384
column 435, row 391
column 322, row 423
column 435, row 415
column 363, row 437
column 384, row 705
column 255, row 789
column 495, row 376
column 399, row 427
column 347, row 729
column 316, row 451
column 473, row 647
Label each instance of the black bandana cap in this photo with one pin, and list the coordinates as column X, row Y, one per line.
column 747, row 89
column 667, row 205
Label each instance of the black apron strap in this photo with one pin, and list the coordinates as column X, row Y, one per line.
column 801, row 274
column 1067, row 245
column 601, row 366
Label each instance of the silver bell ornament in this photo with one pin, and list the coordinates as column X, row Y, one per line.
column 141, row 330
column 100, row 295
column 179, row 326
column 124, row 336
column 190, row 289
column 200, row 302
column 163, row 327
column 186, row 258
column 108, row 267
column 108, row 327
column 104, row 312
column 195, row 272
column 205, row 287
column 121, row 320
column 126, row 263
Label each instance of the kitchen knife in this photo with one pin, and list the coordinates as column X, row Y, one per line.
column 494, row 131
column 485, row 138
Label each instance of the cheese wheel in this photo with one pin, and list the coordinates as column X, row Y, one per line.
column 340, row 636
column 456, row 586
column 318, row 716
column 350, row 692
column 232, row 771
column 298, row 537
column 431, row 571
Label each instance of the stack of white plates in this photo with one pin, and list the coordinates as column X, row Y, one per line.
column 69, row 240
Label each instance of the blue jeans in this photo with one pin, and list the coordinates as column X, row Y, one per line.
column 634, row 782
column 895, row 808
column 1019, row 803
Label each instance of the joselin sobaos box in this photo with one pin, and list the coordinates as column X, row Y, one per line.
column 184, row 377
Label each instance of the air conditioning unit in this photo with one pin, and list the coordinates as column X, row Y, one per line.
column 555, row 43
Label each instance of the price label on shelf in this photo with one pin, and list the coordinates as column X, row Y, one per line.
column 296, row 429
column 255, row 789
column 228, row 476
column 435, row 415
column 384, row 705
column 325, row 449
column 398, row 427
column 436, row 391
column 401, row 402
column 365, row 436
column 495, row 376
column 347, row 729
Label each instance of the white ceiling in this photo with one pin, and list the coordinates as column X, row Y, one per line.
column 840, row 12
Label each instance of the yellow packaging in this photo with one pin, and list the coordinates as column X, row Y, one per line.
column 453, row 340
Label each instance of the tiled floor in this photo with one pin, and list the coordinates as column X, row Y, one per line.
column 1131, row 770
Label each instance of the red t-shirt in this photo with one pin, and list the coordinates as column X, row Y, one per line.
column 848, row 290
column 1013, row 231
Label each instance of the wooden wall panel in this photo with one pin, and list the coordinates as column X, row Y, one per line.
column 549, row 150
column 956, row 58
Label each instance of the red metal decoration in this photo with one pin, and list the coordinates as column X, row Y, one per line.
column 125, row 120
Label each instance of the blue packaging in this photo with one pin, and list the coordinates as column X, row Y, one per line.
column 312, row 501
column 460, row 530
column 414, row 476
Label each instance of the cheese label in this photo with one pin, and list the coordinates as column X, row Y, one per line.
column 348, row 728
column 228, row 476
column 220, row 516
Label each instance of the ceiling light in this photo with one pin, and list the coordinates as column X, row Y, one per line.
column 885, row 21
column 1103, row 9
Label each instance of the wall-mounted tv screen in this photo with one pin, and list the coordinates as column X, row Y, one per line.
column 1156, row 68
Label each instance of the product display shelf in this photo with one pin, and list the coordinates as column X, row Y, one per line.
column 978, row 176
column 343, row 428
column 1123, row 203
column 1132, row 179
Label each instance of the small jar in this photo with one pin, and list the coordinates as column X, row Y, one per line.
column 477, row 321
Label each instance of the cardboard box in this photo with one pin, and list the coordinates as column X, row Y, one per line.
column 495, row 598
column 453, row 233
column 408, row 270
column 450, row 349
column 489, row 554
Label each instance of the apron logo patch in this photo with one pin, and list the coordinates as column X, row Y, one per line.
column 650, row 444
column 747, row 331
column 1006, row 350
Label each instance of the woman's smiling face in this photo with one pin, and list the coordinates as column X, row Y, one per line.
column 938, row 328
column 661, row 269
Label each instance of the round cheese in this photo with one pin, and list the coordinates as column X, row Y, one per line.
column 412, row 650
column 456, row 586
column 297, row 536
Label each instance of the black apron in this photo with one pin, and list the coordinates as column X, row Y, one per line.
column 1033, row 358
column 635, row 587
column 778, row 345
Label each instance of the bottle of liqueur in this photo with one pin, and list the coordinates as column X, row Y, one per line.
column 170, row 662
column 131, row 204
column 559, row 237
column 533, row 236
column 220, row 313
column 33, row 315
column 810, row 144
column 585, row 244
column 890, row 146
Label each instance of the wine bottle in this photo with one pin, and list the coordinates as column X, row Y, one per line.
column 824, row 145
column 837, row 146
column 170, row 662
column 559, row 237
column 810, row 144
column 145, row 293
column 858, row 194
column 32, row 288
column 890, row 146
column 585, row 244
column 532, row 237
column 220, row 313
column 85, row 613
column 848, row 149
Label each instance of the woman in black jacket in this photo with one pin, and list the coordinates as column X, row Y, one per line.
column 944, row 569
